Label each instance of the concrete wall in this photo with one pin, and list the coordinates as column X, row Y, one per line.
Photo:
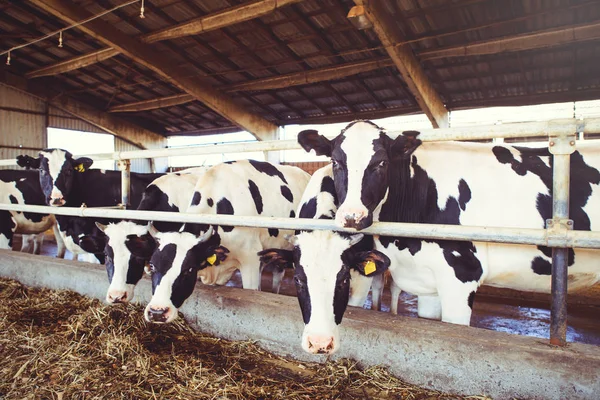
column 452, row 358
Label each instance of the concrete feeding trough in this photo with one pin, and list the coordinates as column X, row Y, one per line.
column 433, row 354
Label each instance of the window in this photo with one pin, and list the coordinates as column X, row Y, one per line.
column 83, row 143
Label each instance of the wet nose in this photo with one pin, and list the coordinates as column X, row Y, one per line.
column 157, row 314
column 318, row 344
column 58, row 201
column 117, row 297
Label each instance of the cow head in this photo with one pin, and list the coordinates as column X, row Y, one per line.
column 322, row 262
column 175, row 265
column 128, row 247
column 361, row 156
column 57, row 169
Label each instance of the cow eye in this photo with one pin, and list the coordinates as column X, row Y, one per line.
column 297, row 281
column 191, row 270
column 382, row 164
column 334, row 163
column 152, row 268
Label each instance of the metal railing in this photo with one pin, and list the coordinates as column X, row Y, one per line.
column 558, row 233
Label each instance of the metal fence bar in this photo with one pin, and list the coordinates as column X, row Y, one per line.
column 538, row 237
column 482, row 132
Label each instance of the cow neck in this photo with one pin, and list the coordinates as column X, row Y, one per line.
column 408, row 195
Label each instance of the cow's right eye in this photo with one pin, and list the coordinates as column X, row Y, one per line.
column 297, row 281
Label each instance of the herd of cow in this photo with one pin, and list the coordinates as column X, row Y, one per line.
column 372, row 177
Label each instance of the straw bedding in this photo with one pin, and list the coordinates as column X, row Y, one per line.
column 61, row 345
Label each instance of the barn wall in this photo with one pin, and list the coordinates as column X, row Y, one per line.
column 137, row 165
column 64, row 120
column 22, row 124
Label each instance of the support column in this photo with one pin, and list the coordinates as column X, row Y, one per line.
column 125, row 168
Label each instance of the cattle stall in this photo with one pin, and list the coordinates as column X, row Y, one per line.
column 429, row 350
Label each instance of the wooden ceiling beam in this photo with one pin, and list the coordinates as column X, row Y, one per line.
column 527, row 41
column 384, row 26
column 147, row 56
column 275, row 82
column 214, row 21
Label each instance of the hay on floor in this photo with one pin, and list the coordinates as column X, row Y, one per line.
column 61, row 345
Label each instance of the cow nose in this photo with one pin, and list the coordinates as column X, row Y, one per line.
column 318, row 344
column 157, row 314
column 57, row 201
column 117, row 297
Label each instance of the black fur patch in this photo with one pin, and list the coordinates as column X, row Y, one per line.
column 224, row 207
column 309, row 209
column 464, row 194
column 328, row 186
column 163, row 261
column 12, row 199
column 292, row 214
column 267, row 168
column 301, row 283
column 255, row 192
column 273, row 232
column 196, row 199
column 287, row 193
column 210, row 202
column 541, row 266
column 155, row 199
column 471, row 300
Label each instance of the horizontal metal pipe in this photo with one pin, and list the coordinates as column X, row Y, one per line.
column 480, row 132
column 583, row 239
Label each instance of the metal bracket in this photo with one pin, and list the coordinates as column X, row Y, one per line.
column 562, row 144
column 556, row 231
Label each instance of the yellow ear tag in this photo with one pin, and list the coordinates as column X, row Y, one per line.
column 212, row 259
column 369, row 267
column 79, row 168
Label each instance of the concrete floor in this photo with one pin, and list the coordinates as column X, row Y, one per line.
column 496, row 310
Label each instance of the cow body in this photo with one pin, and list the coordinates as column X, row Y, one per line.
column 70, row 182
column 248, row 188
column 328, row 271
column 378, row 178
column 22, row 187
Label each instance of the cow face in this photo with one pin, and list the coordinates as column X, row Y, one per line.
column 361, row 156
column 128, row 247
column 57, row 169
column 322, row 262
column 175, row 265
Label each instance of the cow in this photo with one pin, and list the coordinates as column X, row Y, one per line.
column 331, row 270
column 66, row 181
column 171, row 192
column 245, row 187
column 22, row 187
column 380, row 178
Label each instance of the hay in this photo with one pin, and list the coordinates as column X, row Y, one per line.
column 61, row 345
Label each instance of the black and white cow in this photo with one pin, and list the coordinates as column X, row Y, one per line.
column 23, row 187
column 171, row 192
column 378, row 178
column 248, row 188
column 66, row 181
column 331, row 270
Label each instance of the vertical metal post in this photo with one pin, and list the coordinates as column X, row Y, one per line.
column 561, row 148
column 125, row 167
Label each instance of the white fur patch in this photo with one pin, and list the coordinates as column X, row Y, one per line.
column 4, row 242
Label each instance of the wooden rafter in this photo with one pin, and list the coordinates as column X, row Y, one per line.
column 413, row 74
column 145, row 55
column 527, row 41
column 218, row 20
column 276, row 82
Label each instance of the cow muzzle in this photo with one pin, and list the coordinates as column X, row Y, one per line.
column 56, row 201
column 353, row 218
column 117, row 296
column 320, row 344
column 159, row 315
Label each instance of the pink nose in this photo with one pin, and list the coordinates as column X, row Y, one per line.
column 318, row 344
column 351, row 218
column 117, row 296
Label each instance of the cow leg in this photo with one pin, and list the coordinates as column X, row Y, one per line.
column 376, row 291
column 38, row 241
column 27, row 243
column 277, row 278
column 7, row 224
column 61, row 249
column 429, row 307
column 250, row 270
column 395, row 295
column 455, row 299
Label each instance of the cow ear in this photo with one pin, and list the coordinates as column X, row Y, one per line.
column 25, row 161
column 219, row 254
column 82, row 164
column 311, row 140
column 93, row 244
column 141, row 246
column 370, row 263
column 100, row 226
column 276, row 259
column 404, row 145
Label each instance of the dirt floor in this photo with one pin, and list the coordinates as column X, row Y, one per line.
column 61, row 345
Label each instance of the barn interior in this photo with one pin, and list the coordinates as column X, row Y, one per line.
column 146, row 71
